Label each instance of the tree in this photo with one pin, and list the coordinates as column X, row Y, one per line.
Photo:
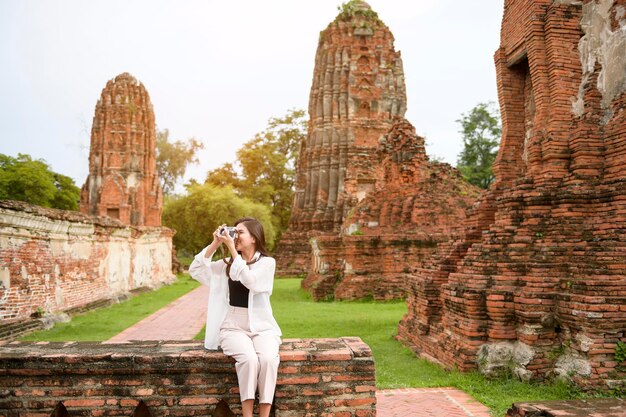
column 205, row 207
column 33, row 181
column 173, row 158
column 224, row 176
column 267, row 163
column 481, row 132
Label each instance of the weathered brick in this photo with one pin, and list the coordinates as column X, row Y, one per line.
column 539, row 258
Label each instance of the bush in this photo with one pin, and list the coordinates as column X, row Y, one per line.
column 196, row 215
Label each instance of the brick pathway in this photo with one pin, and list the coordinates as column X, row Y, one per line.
column 428, row 402
column 184, row 318
column 180, row 320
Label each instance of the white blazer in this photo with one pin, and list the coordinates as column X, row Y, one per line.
column 257, row 277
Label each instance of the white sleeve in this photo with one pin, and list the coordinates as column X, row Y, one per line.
column 257, row 280
column 202, row 268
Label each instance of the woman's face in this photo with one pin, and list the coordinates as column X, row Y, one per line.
column 244, row 240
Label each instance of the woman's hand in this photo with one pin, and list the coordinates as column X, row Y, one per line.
column 226, row 239
column 217, row 238
column 217, row 242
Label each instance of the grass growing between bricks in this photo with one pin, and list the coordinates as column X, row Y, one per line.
column 104, row 323
column 300, row 317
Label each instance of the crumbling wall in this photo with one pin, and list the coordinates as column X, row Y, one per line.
column 417, row 206
column 316, row 377
column 536, row 285
column 54, row 260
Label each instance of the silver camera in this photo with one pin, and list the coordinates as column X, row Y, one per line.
column 232, row 231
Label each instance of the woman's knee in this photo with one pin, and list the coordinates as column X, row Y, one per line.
column 268, row 360
column 248, row 359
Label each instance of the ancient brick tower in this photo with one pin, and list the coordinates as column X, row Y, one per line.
column 537, row 286
column 358, row 89
column 122, row 181
column 418, row 206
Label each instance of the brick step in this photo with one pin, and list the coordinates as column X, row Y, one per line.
column 14, row 329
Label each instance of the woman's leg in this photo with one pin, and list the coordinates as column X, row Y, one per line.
column 266, row 347
column 247, row 407
column 264, row 410
column 238, row 345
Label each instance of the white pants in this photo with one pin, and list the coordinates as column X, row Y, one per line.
column 256, row 355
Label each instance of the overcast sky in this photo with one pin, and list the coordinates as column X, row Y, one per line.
column 218, row 70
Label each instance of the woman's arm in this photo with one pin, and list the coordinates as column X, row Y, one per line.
column 201, row 269
column 260, row 279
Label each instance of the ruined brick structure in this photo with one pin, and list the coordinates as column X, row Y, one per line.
column 358, row 89
column 537, row 284
column 417, row 206
column 122, row 181
column 52, row 261
column 316, row 378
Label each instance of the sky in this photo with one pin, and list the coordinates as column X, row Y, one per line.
column 218, row 70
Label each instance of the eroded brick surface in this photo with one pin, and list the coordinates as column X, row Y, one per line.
column 55, row 260
column 357, row 92
column 416, row 207
column 316, row 377
column 122, row 181
column 536, row 286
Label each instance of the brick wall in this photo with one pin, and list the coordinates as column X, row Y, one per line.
column 536, row 285
column 317, row 377
column 394, row 230
column 55, row 260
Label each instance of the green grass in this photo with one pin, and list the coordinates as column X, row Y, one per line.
column 396, row 365
column 104, row 323
column 300, row 317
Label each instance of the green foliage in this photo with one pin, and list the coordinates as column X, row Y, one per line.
column 481, row 132
column 196, row 215
column 224, row 176
column 172, row 159
column 267, row 164
column 353, row 8
column 620, row 352
column 33, row 181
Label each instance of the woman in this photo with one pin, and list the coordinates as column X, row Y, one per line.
column 239, row 316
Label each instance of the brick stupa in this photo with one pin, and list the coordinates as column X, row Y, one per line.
column 122, row 181
column 417, row 207
column 358, row 90
column 537, row 285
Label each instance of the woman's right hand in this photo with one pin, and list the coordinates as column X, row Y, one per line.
column 217, row 238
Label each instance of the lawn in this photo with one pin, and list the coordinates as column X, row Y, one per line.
column 104, row 323
column 300, row 317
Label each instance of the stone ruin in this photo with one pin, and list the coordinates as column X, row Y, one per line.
column 369, row 206
column 536, row 286
column 122, row 181
column 358, row 91
column 56, row 262
column 417, row 206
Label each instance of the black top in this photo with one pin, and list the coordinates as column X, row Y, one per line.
column 238, row 294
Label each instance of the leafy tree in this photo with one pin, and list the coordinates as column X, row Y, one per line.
column 481, row 132
column 205, row 207
column 33, row 181
column 267, row 163
column 224, row 176
column 173, row 158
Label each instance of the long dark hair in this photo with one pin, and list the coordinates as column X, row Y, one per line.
column 255, row 228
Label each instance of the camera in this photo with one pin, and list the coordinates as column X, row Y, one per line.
column 232, row 231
